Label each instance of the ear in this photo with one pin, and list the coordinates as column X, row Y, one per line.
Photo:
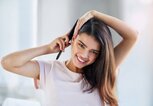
column 73, row 38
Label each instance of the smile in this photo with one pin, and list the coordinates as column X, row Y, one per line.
column 80, row 60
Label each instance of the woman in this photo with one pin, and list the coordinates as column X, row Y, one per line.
column 88, row 77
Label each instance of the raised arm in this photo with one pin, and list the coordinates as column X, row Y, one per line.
column 21, row 62
column 128, row 34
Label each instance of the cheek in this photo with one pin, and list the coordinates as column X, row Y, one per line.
column 74, row 50
column 92, row 59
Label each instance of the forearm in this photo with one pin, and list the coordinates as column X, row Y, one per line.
column 20, row 58
column 125, row 31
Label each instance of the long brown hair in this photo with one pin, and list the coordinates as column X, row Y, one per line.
column 101, row 74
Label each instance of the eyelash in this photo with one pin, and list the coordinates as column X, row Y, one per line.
column 95, row 52
column 81, row 45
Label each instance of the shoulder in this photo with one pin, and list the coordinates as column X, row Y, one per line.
column 48, row 65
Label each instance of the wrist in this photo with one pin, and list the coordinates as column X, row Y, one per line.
column 93, row 13
column 48, row 49
column 45, row 49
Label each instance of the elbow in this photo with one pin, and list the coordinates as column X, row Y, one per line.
column 5, row 63
column 135, row 35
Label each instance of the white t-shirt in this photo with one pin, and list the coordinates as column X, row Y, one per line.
column 63, row 87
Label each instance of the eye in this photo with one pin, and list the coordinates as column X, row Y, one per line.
column 81, row 45
column 94, row 52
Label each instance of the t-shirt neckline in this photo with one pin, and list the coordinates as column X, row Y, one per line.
column 73, row 74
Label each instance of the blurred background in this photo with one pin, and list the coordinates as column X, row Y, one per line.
column 30, row 23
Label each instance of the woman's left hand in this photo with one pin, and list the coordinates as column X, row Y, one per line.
column 81, row 21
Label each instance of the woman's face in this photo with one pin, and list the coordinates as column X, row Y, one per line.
column 85, row 50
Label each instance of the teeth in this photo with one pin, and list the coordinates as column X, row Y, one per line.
column 81, row 60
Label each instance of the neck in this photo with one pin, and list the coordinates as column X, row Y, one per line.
column 71, row 66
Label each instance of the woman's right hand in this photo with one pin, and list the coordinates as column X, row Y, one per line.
column 59, row 44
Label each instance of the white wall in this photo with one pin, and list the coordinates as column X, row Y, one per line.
column 17, row 31
column 53, row 20
column 136, row 73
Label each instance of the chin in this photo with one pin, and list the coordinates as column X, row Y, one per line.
column 77, row 65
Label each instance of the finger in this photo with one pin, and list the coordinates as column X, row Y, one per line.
column 68, row 44
column 76, row 29
column 60, row 44
column 66, row 39
column 63, row 43
column 81, row 22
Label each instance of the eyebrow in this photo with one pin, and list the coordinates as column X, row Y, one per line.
column 82, row 43
column 87, row 46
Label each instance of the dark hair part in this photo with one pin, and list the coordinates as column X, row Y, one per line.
column 101, row 73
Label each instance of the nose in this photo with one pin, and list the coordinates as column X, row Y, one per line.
column 85, row 54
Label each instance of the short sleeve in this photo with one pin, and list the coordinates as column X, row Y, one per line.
column 45, row 69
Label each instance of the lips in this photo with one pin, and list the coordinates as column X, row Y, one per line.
column 81, row 60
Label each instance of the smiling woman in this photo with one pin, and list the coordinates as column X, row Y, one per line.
column 89, row 75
